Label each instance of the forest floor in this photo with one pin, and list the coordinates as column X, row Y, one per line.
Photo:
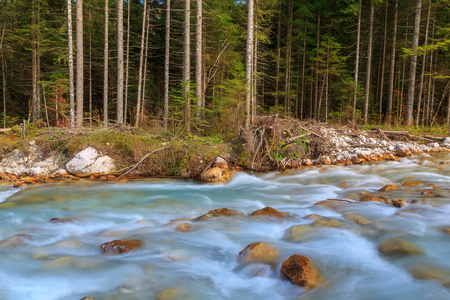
column 271, row 144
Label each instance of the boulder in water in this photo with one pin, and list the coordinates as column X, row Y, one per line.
column 410, row 183
column 429, row 272
column 258, row 252
column 399, row 203
column 358, row 219
column 446, row 230
column 120, row 246
column 369, row 198
column 60, row 220
column 328, row 223
column 88, row 162
column 269, row 212
column 220, row 212
column 313, row 217
column 175, row 293
column 215, row 175
column 298, row 231
column 184, row 227
column 15, row 240
column 332, row 204
column 389, row 187
column 298, row 270
column 398, row 246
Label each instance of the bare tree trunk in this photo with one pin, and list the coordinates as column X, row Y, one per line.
column 127, row 66
column 369, row 64
column 34, row 79
column 429, row 106
column 166, row 66
column 198, row 60
column 392, row 65
column 105, row 67
column 120, row 62
column 303, row 76
column 141, row 65
column 383, row 64
column 326, row 85
column 448, row 110
column 80, row 62
column 3, row 75
column 249, row 63
column 187, row 63
column 358, row 45
column 287, row 99
column 277, row 76
column 422, row 74
column 144, row 81
column 254, row 66
column 412, row 68
column 316, row 100
column 90, row 65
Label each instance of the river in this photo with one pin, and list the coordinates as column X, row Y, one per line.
column 62, row 260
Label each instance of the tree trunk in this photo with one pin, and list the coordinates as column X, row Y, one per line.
column 80, row 66
column 90, row 65
column 422, row 74
column 166, row 66
column 249, row 63
column 303, row 76
column 3, row 75
column 412, row 68
column 358, row 45
column 429, row 107
column 381, row 89
column 144, row 80
column 448, row 111
column 187, row 63
column 254, row 66
column 392, row 65
column 316, row 99
column 141, row 65
column 277, row 75
column 34, row 79
column 105, row 67
column 120, row 62
column 198, row 60
column 369, row 64
column 287, row 99
column 127, row 66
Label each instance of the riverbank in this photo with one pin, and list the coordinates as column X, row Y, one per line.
column 271, row 144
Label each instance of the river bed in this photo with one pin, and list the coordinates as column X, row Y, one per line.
column 62, row 260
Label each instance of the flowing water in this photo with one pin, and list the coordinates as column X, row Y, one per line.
column 62, row 260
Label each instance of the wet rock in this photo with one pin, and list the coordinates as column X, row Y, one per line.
column 446, row 230
column 410, row 183
column 299, row 231
column 403, row 151
column 269, row 212
column 176, row 293
column 446, row 142
column 184, row 227
column 332, row 204
column 258, row 252
column 220, row 212
column 432, row 185
column 58, row 263
column 427, row 193
column 389, row 187
column 87, row 298
column 430, row 272
column 357, row 219
column 313, row 217
column 369, row 198
column 19, row 183
column 215, row 175
column 328, row 223
column 88, row 162
column 298, row 270
column 325, row 160
column 120, row 246
column 398, row 246
column 15, row 240
column 113, row 232
column 69, row 244
column 399, row 203
column 61, row 220
column 176, row 254
column 307, row 163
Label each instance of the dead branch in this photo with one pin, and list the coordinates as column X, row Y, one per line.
column 142, row 159
column 293, row 139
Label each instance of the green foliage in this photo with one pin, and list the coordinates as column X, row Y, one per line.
column 9, row 121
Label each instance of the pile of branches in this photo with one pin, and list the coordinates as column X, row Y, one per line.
column 276, row 144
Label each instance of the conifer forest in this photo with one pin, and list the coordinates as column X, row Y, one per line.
column 214, row 65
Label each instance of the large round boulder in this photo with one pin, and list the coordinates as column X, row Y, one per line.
column 398, row 246
column 298, row 270
column 269, row 212
column 88, row 162
column 215, row 175
column 258, row 252
column 120, row 246
column 220, row 212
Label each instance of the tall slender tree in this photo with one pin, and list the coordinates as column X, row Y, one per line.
column 413, row 66
column 120, row 69
column 198, row 59
column 80, row 64
column 369, row 63
column 71, row 76
column 141, row 65
column 187, row 63
column 392, row 65
column 166, row 66
column 105, row 66
column 249, row 63
column 358, row 45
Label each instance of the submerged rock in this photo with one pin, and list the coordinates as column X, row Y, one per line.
column 446, row 230
column 398, row 246
column 429, row 272
column 184, row 227
column 298, row 231
column 369, row 198
column 399, row 203
column 220, row 212
column 358, row 219
column 313, row 217
column 61, row 220
column 389, row 187
column 410, row 183
column 120, row 246
column 328, row 223
column 175, row 293
column 258, row 252
column 269, row 212
column 298, row 270
column 15, row 240
column 332, row 204
column 88, row 162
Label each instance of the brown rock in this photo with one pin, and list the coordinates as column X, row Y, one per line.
column 15, row 240
column 427, row 193
column 313, row 217
column 307, row 163
column 332, row 204
column 398, row 246
column 120, row 246
column 358, row 219
column 221, row 163
column 269, row 212
column 61, row 220
column 399, row 203
column 299, row 231
column 258, row 252
column 410, row 183
column 446, row 230
column 328, row 223
column 298, row 270
column 368, row 198
column 19, row 183
column 403, row 151
column 184, row 227
column 220, row 212
column 357, row 160
column 428, row 272
column 171, row 294
column 389, row 187
column 215, row 175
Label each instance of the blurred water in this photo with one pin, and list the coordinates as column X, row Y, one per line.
column 201, row 264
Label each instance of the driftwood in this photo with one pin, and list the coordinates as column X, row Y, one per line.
column 362, row 146
column 142, row 159
column 293, row 139
column 312, row 132
column 5, row 129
